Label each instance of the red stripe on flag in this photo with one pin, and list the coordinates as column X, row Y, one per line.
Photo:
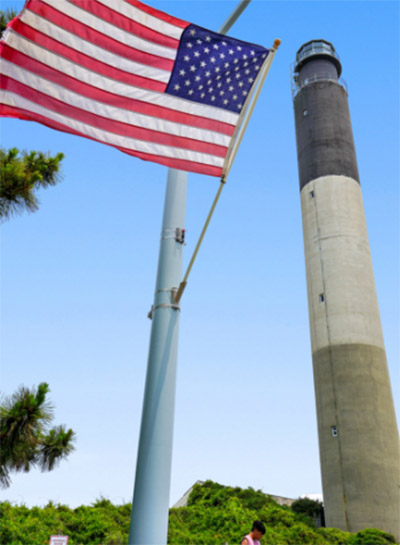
column 89, row 91
column 125, row 23
column 159, row 14
column 179, row 164
column 46, row 71
column 86, row 61
column 110, row 125
column 19, row 113
column 94, row 36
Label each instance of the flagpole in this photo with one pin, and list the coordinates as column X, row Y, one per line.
column 149, row 519
column 150, row 507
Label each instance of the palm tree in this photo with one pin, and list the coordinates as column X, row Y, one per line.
column 25, row 438
column 21, row 175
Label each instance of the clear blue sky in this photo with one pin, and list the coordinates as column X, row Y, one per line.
column 78, row 276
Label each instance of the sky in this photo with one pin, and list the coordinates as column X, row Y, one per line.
column 78, row 276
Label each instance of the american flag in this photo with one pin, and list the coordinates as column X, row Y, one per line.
column 130, row 76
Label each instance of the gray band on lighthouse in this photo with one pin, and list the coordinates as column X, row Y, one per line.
column 359, row 462
column 324, row 135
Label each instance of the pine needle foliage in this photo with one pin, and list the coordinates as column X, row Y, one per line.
column 21, row 175
column 5, row 17
column 26, row 440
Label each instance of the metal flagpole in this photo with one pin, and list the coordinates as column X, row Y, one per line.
column 149, row 519
column 150, row 508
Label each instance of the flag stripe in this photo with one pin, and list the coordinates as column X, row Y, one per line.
column 62, row 65
column 113, row 99
column 36, row 51
column 180, row 164
column 132, row 20
column 90, row 36
column 97, row 27
column 104, row 110
column 88, row 41
column 106, row 137
column 108, row 70
column 161, row 15
column 72, row 40
column 117, row 127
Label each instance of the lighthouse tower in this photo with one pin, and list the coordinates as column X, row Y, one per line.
column 358, row 435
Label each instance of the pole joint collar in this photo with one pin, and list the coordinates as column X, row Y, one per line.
column 173, row 304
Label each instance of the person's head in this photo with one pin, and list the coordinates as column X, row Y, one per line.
column 258, row 529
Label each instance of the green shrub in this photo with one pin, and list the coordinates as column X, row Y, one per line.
column 334, row 536
column 215, row 515
column 372, row 536
column 313, row 509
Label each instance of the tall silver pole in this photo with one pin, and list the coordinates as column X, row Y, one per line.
column 150, row 508
column 149, row 520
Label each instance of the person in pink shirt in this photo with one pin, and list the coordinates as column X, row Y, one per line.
column 257, row 531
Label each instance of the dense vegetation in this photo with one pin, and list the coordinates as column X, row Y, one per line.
column 215, row 515
column 314, row 509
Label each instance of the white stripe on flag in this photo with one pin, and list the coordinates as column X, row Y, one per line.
column 11, row 99
column 109, row 112
column 112, row 86
column 110, row 30
column 98, row 53
column 144, row 18
column 63, row 65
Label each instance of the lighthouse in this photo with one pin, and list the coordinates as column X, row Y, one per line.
column 357, row 429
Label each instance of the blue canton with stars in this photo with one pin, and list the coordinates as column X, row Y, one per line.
column 214, row 69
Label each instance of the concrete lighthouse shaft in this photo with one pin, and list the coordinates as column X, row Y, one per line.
column 358, row 435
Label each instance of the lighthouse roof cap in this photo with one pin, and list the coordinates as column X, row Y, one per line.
column 317, row 49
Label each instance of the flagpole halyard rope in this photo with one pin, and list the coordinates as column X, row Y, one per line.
column 234, row 149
